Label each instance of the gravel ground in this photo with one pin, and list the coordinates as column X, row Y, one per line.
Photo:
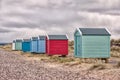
column 16, row 67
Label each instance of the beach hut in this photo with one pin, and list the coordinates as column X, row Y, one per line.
column 92, row 43
column 18, row 44
column 34, row 44
column 13, row 45
column 57, row 45
column 26, row 45
column 42, row 44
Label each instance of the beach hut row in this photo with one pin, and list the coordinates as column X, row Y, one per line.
column 50, row 44
column 88, row 43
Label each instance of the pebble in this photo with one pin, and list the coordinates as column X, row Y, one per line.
column 15, row 67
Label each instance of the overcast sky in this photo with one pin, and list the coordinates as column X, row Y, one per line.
column 26, row 18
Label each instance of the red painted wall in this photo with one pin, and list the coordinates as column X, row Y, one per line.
column 57, row 47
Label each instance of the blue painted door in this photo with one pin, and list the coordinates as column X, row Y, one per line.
column 26, row 46
column 34, row 45
column 41, row 46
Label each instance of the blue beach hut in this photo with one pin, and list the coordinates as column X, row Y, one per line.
column 42, row 44
column 34, row 44
column 26, row 45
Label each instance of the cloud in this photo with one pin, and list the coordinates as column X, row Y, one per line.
column 4, row 30
column 110, row 4
column 26, row 18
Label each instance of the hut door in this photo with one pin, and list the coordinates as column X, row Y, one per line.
column 13, row 46
column 42, row 46
column 78, row 45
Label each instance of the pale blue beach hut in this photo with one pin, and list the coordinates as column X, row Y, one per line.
column 42, row 44
column 92, row 43
column 34, row 44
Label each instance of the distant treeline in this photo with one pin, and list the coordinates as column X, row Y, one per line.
column 115, row 42
column 2, row 44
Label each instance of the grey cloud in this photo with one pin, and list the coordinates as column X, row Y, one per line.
column 117, row 30
column 4, row 30
column 61, row 16
column 42, row 18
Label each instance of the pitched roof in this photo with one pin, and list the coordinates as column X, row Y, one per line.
column 94, row 31
column 42, row 37
column 26, row 40
column 57, row 37
column 34, row 38
column 18, row 40
column 14, row 41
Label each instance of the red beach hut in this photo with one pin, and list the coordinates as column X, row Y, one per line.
column 57, row 45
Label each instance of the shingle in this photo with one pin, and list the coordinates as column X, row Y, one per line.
column 14, row 41
column 42, row 37
column 18, row 40
column 94, row 31
column 57, row 37
column 34, row 38
column 26, row 40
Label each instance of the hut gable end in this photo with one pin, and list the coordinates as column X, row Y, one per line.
column 93, row 43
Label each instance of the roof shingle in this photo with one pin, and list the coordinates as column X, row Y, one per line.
column 57, row 37
column 94, row 31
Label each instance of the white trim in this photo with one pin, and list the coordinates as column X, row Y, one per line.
column 47, row 37
column 108, row 31
column 75, row 31
column 67, row 36
column 79, row 31
column 39, row 37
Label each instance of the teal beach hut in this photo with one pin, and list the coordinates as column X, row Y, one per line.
column 92, row 43
column 42, row 44
column 18, row 44
column 26, row 45
column 34, row 44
